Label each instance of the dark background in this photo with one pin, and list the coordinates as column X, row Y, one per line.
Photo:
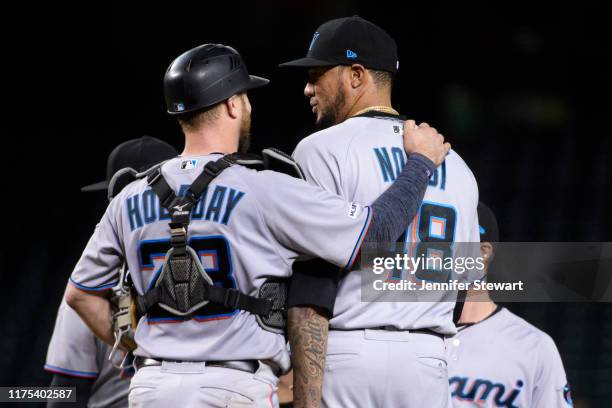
column 520, row 89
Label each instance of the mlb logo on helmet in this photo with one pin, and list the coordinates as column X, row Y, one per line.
column 179, row 107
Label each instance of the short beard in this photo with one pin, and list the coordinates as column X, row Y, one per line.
column 330, row 116
column 244, row 139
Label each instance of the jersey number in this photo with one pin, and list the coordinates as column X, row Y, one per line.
column 435, row 230
column 215, row 255
column 434, row 233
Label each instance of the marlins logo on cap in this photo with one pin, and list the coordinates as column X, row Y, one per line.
column 314, row 39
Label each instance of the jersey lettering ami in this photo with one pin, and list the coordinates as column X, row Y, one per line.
column 503, row 361
column 358, row 160
column 248, row 226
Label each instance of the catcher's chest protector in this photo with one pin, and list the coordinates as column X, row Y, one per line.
column 182, row 282
column 183, row 285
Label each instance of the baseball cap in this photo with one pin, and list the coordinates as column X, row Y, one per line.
column 138, row 154
column 347, row 41
column 489, row 231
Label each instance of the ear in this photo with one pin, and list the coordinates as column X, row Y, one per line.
column 487, row 252
column 358, row 75
column 233, row 106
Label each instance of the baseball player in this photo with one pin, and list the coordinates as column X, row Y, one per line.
column 497, row 359
column 76, row 357
column 379, row 354
column 243, row 226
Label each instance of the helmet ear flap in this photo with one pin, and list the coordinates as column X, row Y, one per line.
column 205, row 76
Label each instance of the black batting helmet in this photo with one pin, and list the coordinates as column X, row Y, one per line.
column 204, row 76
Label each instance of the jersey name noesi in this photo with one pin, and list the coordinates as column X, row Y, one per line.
column 217, row 206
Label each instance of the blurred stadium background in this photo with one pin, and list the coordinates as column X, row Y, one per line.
column 521, row 89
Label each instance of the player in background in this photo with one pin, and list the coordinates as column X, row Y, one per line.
column 380, row 354
column 76, row 357
column 247, row 227
column 497, row 359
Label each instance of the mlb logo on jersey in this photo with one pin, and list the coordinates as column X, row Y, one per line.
column 353, row 210
column 189, row 164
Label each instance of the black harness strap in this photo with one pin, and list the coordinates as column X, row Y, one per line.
column 180, row 207
column 211, row 170
column 168, row 198
column 234, row 299
column 162, row 189
column 230, row 298
column 180, row 211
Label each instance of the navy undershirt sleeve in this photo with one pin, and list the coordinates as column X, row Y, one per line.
column 394, row 210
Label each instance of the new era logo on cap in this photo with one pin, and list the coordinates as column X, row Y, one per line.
column 351, row 54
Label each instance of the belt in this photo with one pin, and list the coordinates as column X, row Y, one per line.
column 427, row 331
column 250, row 366
column 392, row 328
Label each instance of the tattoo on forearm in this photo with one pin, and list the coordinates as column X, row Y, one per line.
column 308, row 338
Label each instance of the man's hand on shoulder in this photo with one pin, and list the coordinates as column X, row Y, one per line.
column 425, row 140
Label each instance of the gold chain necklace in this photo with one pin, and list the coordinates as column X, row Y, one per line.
column 380, row 108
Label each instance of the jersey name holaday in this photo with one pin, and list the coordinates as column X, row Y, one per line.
column 482, row 390
column 144, row 208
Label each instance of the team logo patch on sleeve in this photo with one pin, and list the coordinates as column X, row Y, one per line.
column 189, row 164
column 354, row 210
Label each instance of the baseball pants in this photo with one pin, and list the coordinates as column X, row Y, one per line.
column 382, row 368
column 195, row 385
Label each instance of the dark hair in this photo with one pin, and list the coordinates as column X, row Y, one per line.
column 382, row 79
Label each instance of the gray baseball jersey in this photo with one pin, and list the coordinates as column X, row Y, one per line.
column 359, row 159
column 503, row 361
column 247, row 227
column 75, row 351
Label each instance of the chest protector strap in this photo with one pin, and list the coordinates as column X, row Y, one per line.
column 183, row 286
